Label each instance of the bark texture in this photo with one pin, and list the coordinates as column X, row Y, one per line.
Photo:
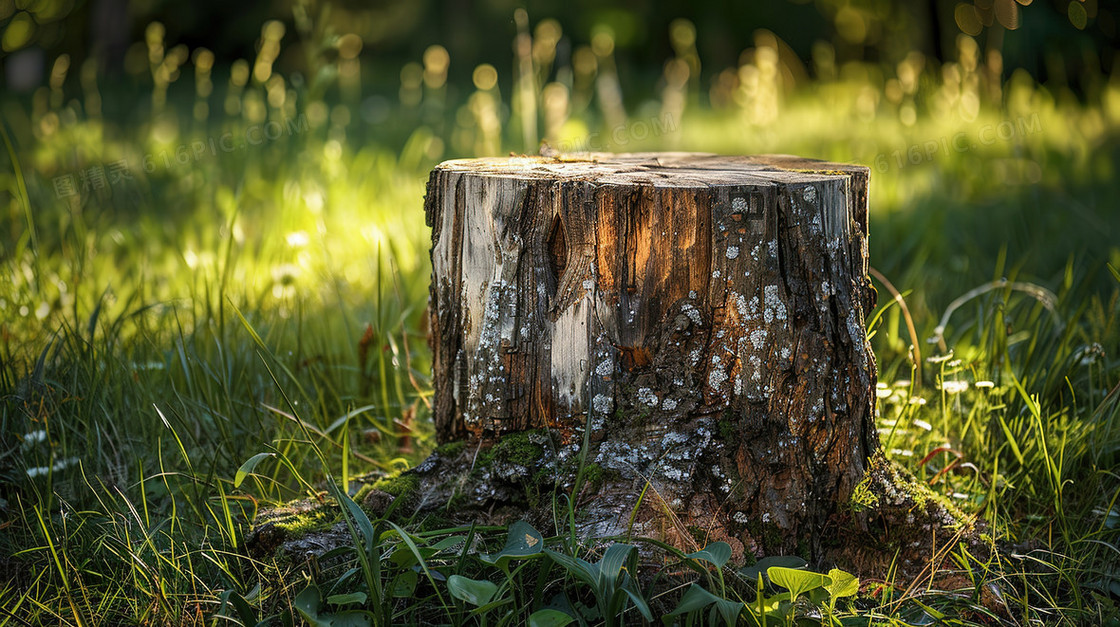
column 702, row 316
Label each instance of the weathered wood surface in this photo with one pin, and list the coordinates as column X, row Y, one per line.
column 702, row 314
column 673, row 343
column 551, row 278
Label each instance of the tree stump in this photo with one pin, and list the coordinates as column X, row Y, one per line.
column 702, row 315
column 675, row 341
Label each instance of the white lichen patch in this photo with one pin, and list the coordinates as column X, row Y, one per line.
column 597, row 423
column 646, row 396
column 693, row 314
column 668, row 404
column 756, row 368
column 694, row 356
column 618, row 455
column 673, row 438
column 717, row 376
column 741, row 304
column 857, row 333
column 739, row 204
column 758, row 338
column 601, row 403
column 809, row 194
column 775, row 308
column 732, row 252
column 605, row 368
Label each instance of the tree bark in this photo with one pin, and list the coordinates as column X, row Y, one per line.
column 674, row 345
column 702, row 315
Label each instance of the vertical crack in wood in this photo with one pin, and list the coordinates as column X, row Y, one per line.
column 557, row 248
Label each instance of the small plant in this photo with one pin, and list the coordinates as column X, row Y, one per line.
column 523, row 542
column 610, row 580
column 818, row 591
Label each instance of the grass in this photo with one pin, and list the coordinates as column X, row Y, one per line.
column 215, row 305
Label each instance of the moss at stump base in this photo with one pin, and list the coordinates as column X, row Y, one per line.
column 890, row 521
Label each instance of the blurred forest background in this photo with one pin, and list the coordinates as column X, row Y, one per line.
column 395, row 46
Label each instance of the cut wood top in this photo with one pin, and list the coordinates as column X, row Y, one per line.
column 659, row 169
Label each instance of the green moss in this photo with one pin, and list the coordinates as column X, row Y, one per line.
column 360, row 495
column 318, row 519
column 889, row 473
column 451, row 449
column 863, row 498
column 400, row 485
column 517, row 448
column 593, row 476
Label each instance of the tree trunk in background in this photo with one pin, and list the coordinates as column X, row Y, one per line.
column 702, row 315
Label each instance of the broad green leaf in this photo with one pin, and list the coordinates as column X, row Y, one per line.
column 773, row 605
column 411, row 544
column 247, row 468
column 819, row 596
column 307, row 601
column 614, row 559
column 695, row 598
column 759, row 568
column 638, row 600
column 581, row 569
column 403, row 556
column 474, row 591
column 522, row 541
column 716, row 553
column 549, row 618
column 798, row 582
column 843, row 584
column 244, row 611
column 404, row 584
column 360, row 518
column 347, row 599
column 484, row 610
column 729, row 610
